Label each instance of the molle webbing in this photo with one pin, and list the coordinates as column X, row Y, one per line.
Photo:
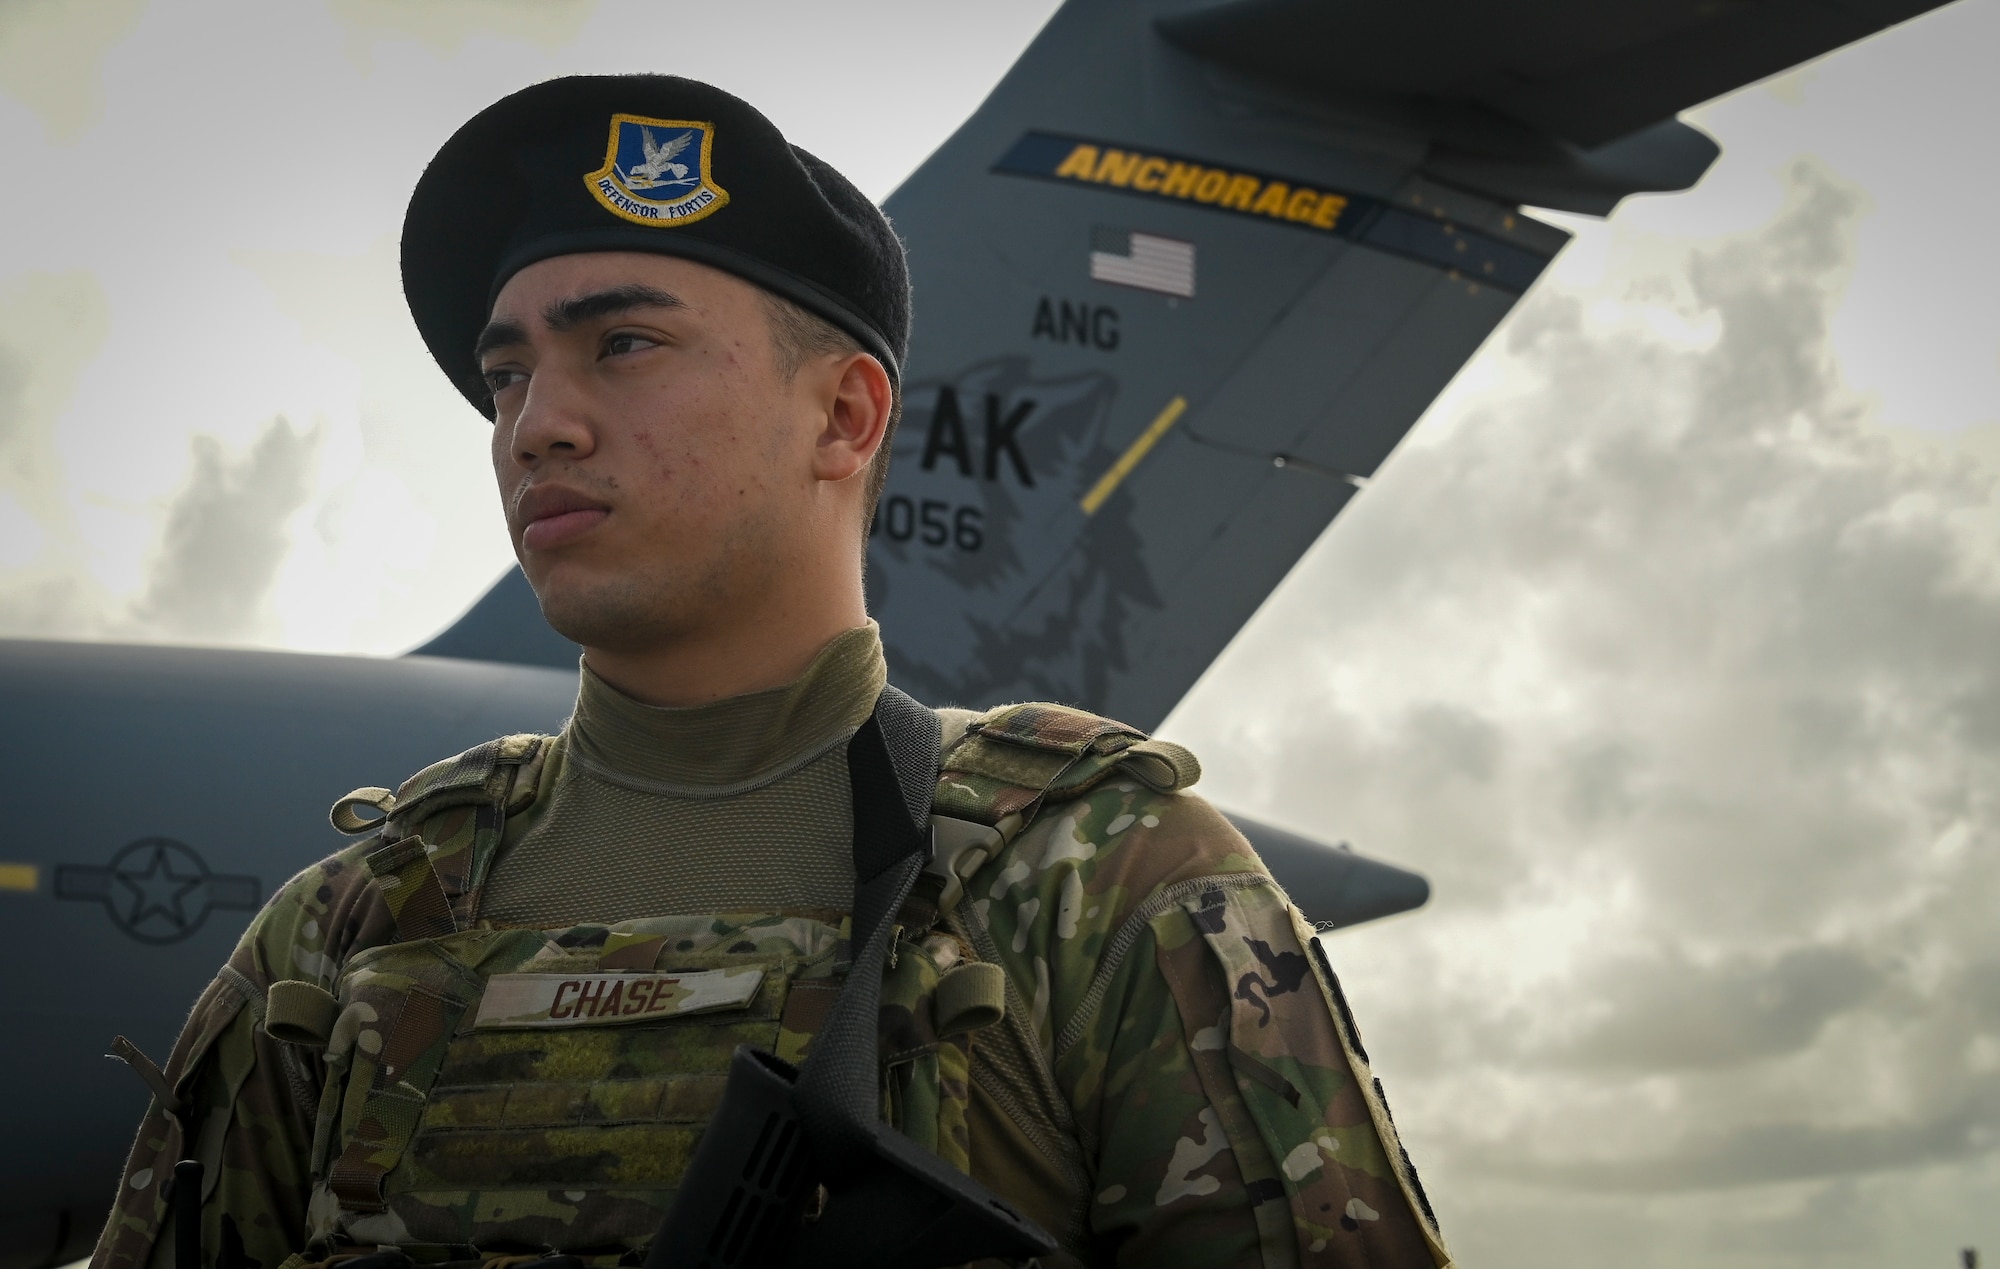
column 393, row 1107
column 427, row 872
column 1008, row 764
column 411, row 890
column 458, row 809
column 1012, row 760
column 442, row 830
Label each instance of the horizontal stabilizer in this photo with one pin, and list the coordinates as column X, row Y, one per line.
column 1584, row 71
column 1332, row 885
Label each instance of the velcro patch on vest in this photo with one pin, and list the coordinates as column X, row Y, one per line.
column 598, row 1000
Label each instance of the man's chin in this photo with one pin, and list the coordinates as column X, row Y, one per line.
column 613, row 614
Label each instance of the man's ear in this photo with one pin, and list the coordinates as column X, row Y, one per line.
column 858, row 406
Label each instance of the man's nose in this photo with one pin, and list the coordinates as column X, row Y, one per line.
column 554, row 422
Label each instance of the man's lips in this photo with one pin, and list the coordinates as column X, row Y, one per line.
column 551, row 516
column 564, row 526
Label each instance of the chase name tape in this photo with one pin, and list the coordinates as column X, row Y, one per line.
column 597, row 1000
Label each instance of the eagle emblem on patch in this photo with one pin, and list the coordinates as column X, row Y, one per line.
column 656, row 171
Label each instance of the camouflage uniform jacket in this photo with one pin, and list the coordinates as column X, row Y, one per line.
column 1176, row 1080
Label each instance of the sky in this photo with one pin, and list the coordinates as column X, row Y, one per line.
column 1665, row 645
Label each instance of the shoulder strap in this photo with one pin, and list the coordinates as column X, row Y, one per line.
column 892, row 766
column 483, row 773
column 458, row 807
column 1012, row 760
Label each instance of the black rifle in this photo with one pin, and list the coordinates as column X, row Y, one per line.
column 796, row 1168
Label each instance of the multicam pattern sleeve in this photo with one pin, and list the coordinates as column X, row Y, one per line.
column 249, row 1102
column 1220, row 1098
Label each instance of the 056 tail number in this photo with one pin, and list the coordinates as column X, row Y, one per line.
column 931, row 521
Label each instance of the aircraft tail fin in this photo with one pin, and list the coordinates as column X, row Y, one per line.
column 1189, row 274
column 504, row 625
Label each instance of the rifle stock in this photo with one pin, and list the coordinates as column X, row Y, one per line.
column 187, row 1214
column 756, row 1196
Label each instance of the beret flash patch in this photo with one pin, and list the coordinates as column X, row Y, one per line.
column 656, row 171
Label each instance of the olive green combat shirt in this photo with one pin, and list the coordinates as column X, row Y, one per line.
column 1176, row 1082
column 741, row 805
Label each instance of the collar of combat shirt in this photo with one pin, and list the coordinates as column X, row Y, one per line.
column 732, row 745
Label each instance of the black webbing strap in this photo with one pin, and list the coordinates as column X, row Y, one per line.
column 780, row 1135
column 892, row 768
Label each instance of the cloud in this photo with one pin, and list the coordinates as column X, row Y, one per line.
column 1667, row 1011
column 52, row 57
column 51, row 326
column 444, row 25
column 408, row 485
column 224, row 536
column 1675, row 670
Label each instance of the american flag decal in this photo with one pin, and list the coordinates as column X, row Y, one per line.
column 1147, row 261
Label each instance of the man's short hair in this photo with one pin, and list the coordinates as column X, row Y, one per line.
column 797, row 337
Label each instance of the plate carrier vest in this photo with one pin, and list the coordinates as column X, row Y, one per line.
column 524, row 1092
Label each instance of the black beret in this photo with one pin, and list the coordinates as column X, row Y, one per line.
column 642, row 163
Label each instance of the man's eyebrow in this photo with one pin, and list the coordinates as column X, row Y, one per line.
column 562, row 315
column 501, row 333
column 565, row 315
